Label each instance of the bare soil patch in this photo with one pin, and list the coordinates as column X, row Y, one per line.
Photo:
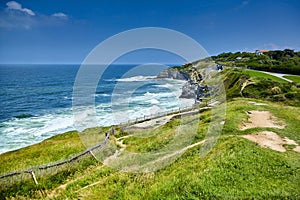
column 271, row 140
column 262, row 119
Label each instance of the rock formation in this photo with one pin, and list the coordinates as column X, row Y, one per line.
column 174, row 73
column 192, row 88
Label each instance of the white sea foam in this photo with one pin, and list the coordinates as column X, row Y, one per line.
column 153, row 101
column 17, row 133
column 136, row 78
column 102, row 95
column 150, row 94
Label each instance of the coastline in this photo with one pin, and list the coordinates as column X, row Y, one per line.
column 23, row 133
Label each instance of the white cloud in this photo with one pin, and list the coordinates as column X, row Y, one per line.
column 12, row 5
column 15, row 16
column 60, row 15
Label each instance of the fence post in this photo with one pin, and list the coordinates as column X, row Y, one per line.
column 93, row 155
column 33, row 176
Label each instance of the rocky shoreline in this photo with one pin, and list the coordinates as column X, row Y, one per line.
column 174, row 73
column 194, row 87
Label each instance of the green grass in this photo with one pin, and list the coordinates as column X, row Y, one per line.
column 264, row 75
column 235, row 168
column 238, row 83
column 294, row 78
column 57, row 148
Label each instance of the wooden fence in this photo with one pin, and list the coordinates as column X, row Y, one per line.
column 53, row 167
column 73, row 159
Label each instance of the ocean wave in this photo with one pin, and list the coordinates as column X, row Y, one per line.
column 153, row 101
column 21, row 132
column 26, row 130
column 150, row 94
column 102, row 95
column 131, row 79
column 136, row 78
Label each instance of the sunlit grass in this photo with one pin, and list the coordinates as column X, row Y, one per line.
column 234, row 168
column 264, row 75
column 293, row 78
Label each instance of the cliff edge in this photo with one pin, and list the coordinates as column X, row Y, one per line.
column 193, row 88
column 174, row 73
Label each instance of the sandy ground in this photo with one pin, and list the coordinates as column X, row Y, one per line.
column 153, row 122
column 269, row 139
column 261, row 119
column 297, row 149
column 161, row 121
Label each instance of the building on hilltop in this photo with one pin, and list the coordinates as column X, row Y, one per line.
column 260, row 52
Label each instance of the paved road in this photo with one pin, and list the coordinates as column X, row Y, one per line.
column 279, row 75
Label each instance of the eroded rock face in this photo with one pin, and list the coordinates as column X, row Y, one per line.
column 173, row 73
column 192, row 88
column 188, row 91
column 191, row 91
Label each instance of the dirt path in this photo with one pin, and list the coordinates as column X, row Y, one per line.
column 267, row 139
column 271, row 140
column 262, row 119
column 117, row 152
column 179, row 151
column 55, row 192
column 153, row 122
column 163, row 120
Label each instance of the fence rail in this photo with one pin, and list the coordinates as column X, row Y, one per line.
column 157, row 115
column 100, row 145
column 56, row 164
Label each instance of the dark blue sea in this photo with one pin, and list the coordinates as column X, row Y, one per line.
column 36, row 100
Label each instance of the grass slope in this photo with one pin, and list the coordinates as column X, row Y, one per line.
column 59, row 147
column 235, row 168
column 254, row 73
column 253, row 84
column 296, row 79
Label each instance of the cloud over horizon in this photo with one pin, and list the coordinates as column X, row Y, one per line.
column 12, row 5
column 16, row 16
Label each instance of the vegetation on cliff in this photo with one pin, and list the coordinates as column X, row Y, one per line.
column 253, row 84
column 235, row 168
column 286, row 61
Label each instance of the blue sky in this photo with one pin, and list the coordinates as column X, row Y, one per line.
column 65, row 31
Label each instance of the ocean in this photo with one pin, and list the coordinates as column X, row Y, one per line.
column 36, row 100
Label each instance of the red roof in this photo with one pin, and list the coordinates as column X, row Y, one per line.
column 263, row 51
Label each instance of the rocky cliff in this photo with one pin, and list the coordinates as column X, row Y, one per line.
column 193, row 88
column 174, row 73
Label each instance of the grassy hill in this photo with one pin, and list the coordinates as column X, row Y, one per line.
column 235, row 168
column 286, row 61
column 254, row 84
